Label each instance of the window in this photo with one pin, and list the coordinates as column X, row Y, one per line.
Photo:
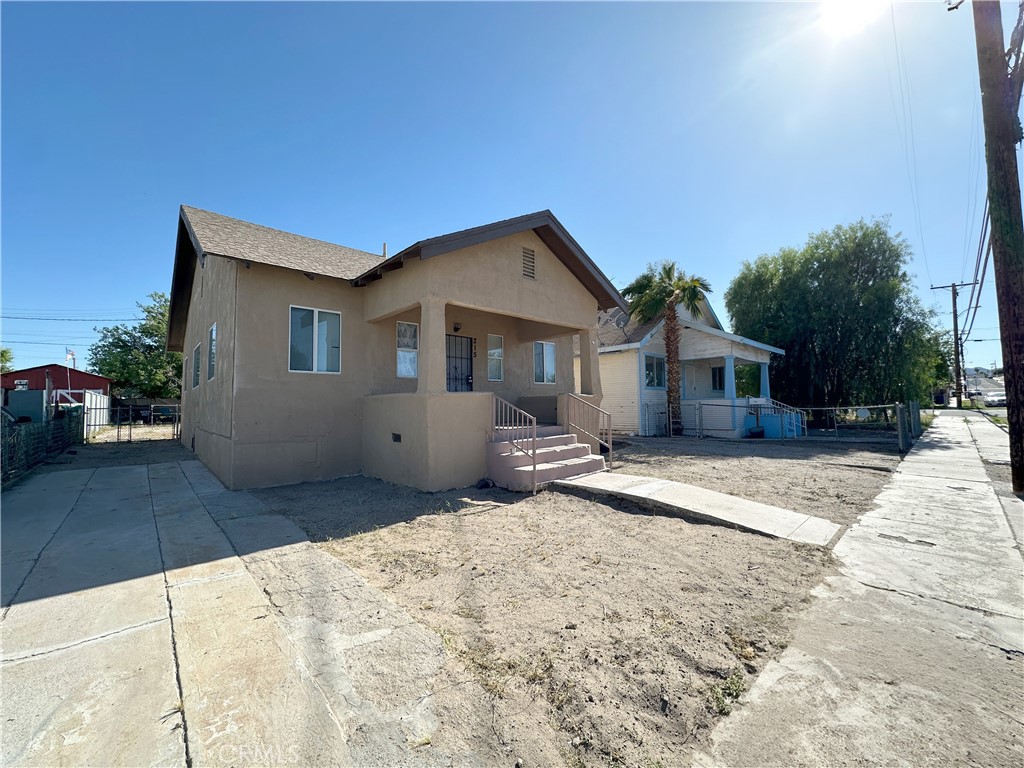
column 495, row 358
column 543, row 362
column 654, row 371
column 315, row 341
column 718, row 379
column 529, row 263
column 195, row 366
column 408, row 343
column 211, row 360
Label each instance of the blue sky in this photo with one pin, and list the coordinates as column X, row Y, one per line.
column 707, row 133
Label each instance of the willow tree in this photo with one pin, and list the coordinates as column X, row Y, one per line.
column 655, row 295
column 843, row 307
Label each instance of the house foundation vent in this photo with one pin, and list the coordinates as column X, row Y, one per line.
column 529, row 263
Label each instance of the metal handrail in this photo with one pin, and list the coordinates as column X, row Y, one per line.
column 518, row 428
column 585, row 418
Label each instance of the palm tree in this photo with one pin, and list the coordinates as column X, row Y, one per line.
column 656, row 293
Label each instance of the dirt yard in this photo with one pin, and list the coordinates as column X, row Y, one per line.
column 597, row 632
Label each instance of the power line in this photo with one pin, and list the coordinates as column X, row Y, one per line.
column 909, row 152
column 74, row 319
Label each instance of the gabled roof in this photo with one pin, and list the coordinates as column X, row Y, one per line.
column 204, row 233
column 609, row 333
column 544, row 225
column 637, row 334
column 731, row 336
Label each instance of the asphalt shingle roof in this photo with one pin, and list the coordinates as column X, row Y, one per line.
column 223, row 236
column 610, row 335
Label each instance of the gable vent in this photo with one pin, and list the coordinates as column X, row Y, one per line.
column 529, row 263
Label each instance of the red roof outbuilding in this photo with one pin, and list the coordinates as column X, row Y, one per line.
column 61, row 377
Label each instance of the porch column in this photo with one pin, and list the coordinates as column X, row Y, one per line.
column 590, row 376
column 765, row 391
column 730, row 377
column 431, row 379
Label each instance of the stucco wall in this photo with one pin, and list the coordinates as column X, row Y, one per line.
column 206, row 421
column 489, row 277
column 293, row 426
column 442, row 439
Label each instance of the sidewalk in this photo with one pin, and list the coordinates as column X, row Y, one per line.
column 914, row 654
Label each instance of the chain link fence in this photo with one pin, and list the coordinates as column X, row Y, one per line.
column 898, row 423
column 133, row 423
column 25, row 445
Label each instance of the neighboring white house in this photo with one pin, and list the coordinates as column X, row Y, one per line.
column 633, row 377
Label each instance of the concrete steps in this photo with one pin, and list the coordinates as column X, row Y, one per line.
column 558, row 455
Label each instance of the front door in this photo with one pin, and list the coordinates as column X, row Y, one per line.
column 459, row 363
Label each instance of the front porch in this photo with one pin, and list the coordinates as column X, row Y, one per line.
column 725, row 391
column 432, row 412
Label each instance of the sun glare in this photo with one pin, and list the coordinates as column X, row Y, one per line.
column 840, row 19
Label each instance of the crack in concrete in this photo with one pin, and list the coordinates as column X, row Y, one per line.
column 84, row 641
column 303, row 661
column 905, row 593
column 56, row 530
column 170, row 618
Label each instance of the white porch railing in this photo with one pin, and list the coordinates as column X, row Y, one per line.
column 518, row 428
column 588, row 421
column 765, row 406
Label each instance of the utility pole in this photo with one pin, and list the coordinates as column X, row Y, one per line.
column 957, row 344
column 1000, row 99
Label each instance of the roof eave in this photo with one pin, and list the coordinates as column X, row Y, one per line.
column 187, row 251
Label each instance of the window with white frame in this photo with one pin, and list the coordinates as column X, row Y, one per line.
column 495, row 357
column 195, row 366
column 544, row 362
column 718, row 379
column 211, row 356
column 314, row 338
column 407, row 341
column 654, row 371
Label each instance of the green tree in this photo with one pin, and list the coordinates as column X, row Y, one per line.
column 6, row 360
column 843, row 309
column 135, row 356
column 655, row 294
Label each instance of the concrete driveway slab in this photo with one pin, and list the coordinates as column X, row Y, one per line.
column 108, row 702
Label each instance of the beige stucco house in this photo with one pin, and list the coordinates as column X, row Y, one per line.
column 306, row 360
column 633, row 376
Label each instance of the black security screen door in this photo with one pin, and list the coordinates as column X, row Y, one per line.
column 459, row 363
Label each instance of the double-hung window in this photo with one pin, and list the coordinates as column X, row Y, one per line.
column 718, row 379
column 211, row 355
column 654, row 371
column 495, row 358
column 314, row 338
column 407, row 341
column 543, row 362
column 195, row 366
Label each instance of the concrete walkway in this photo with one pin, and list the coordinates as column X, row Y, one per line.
column 153, row 618
column 692, row 502
column 914, row 655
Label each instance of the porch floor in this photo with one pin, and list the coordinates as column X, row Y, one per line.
column 689, row 501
